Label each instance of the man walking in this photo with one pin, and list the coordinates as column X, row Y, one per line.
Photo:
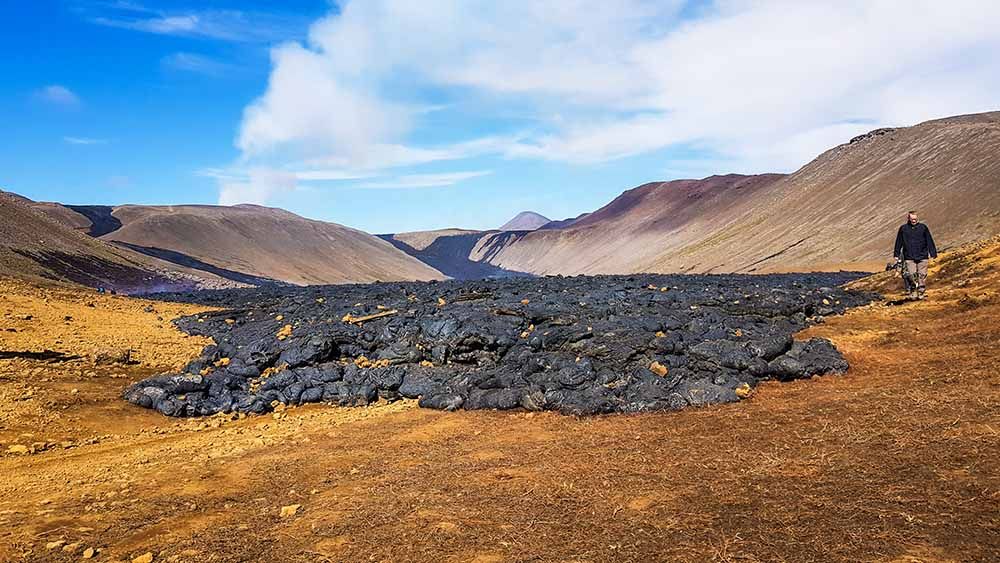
column 914, row 246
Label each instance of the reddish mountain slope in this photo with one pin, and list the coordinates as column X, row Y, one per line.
column 628, row 231
column 840, row 210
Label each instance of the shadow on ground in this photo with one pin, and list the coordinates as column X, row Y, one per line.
column 450, row 256
column 187, row 261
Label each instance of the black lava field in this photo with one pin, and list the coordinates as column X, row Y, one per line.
column 578, row 345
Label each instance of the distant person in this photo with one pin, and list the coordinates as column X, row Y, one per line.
column 914, row 247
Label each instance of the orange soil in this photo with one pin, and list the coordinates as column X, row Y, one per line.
column 898, row 460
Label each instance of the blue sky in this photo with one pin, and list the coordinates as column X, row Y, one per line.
column 391, row 116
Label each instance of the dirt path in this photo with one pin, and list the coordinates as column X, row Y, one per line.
column 899, row 460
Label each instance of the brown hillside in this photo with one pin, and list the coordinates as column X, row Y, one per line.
column 267, row 242
column 840, row 210
column 62, row 214
column 34, row 245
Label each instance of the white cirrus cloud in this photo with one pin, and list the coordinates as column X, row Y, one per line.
column 59, row 95
column 223, row 25
column 411, row 181
column 193, row 62
column 84, row 140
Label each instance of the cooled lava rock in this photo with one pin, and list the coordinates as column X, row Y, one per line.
column 580, row 345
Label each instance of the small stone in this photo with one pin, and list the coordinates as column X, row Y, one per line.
column 55, row 544
column 287, row 511
column 658, row 368
column 743, row 390
column 89, row 553
column 17, row 449
column 72, row 547
column 144, row 558
column 285, row 332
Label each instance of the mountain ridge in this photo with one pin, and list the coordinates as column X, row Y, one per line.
column 525, row 221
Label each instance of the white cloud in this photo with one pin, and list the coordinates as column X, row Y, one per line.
column 259, row 188
column 308, row 108
column 261, row 185
column 410, row 181
column 382, row 156
column 332, row 97
column 224, row 25
column 238, row 175
column 329, row 175
column 757, row 85
column 193, row 62
column 58, row 95
column 84, row 141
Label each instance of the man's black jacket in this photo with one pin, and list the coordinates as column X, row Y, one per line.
column 914, row 242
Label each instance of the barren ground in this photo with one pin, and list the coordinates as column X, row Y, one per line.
column 898, row 460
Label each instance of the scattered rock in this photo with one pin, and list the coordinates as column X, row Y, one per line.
column 144, row 558
column 89, row 553
column 290, row 510
column 111, row 357
column 20, row 449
